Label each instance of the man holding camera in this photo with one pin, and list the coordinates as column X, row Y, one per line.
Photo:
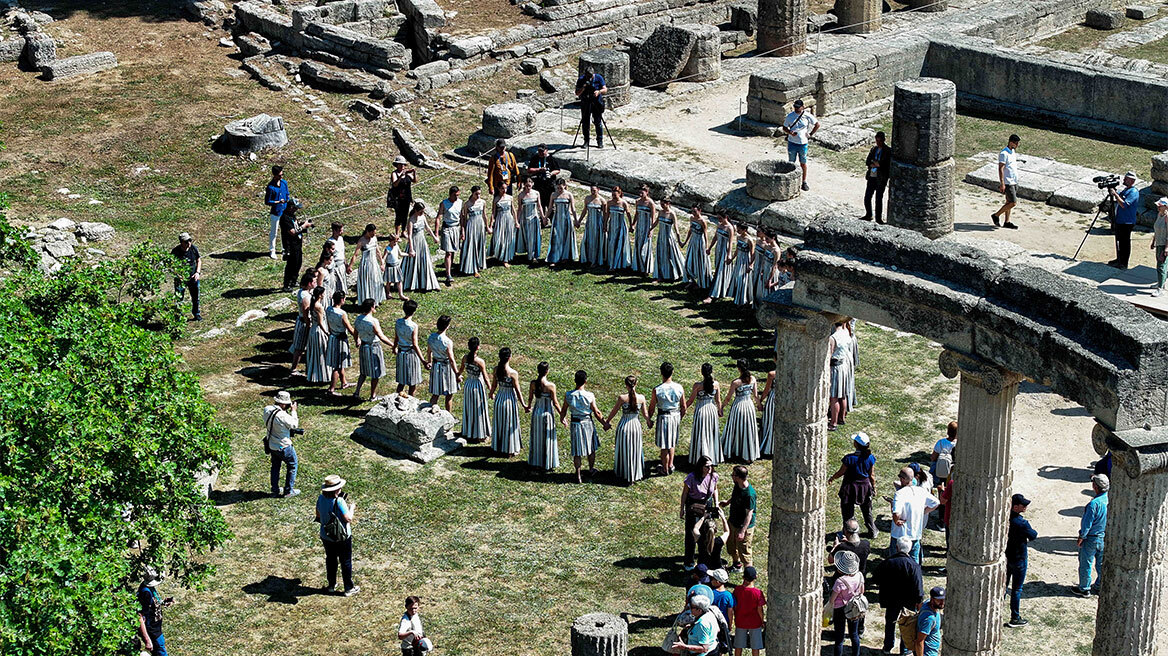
column 539, row 169
column 590, row 89
column 292, row 234
column 1126, row 205
column 282, row 423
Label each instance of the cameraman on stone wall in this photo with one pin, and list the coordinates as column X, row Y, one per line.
column 590, row 89
column 1126, row 205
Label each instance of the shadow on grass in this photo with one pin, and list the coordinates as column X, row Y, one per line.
column 668, row 568
column 239, row 256
column 642, row 623
column 281, row 590
column 250, row 292
column 517, row 469
column 231, row 497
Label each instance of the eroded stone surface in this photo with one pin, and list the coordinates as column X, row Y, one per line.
column 410, row 428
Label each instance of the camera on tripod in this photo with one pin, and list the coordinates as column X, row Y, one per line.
column 1106, row 181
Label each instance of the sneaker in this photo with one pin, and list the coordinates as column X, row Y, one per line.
column 689, row 567
column 1079, row 592
column 996, row 220
column 272, row 255
column 866, row 217
column 1017, row 623
column 805, row 187
column 293, row 493
column 197, row 317
column 329, row 589
column 1009, row 225
column 734, row 569
column 352, row 591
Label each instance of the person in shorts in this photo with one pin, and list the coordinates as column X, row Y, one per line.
column 1007, row 182
column 748, row 614
column 799, row 125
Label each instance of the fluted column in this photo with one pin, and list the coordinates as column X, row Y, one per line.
column 798, row 481
column 782, row 27
column 980, row 517
column 1135, row 555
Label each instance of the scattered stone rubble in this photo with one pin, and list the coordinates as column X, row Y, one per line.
column 64, row 239
column 36, row 50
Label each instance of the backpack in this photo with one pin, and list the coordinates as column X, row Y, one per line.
column 944, row 465
column 907, row 623
column 856, row 607
column 335, row 529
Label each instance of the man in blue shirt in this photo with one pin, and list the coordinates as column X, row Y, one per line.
column 1018, row 538
column 1127, row 202
column 590, row 89
column 929, row 625
column 1091, row 532
column 276, row 199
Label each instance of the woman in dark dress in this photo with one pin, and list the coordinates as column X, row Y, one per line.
column 858, row 470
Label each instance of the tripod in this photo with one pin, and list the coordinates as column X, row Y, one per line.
column 1105, row 206
column 587, row 142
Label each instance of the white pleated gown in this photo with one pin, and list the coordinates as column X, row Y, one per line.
column 740, row 434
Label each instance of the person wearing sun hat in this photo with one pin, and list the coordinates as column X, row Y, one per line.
column 150, row 613
column 334, row 512
column 280, row 419
column 1127, row 202
column 848, row 585
column 858, row 470
column 1092, row 531
column 1160, row 245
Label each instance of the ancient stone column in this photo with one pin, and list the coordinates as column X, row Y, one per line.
column 613, row 65
column 705, row 60
column 859, row 16
column 928, row 6
column 795, row 560
column 980, row 516
column 1132, row 598
column 924, row 120
column 782, row 27
column 600, row 634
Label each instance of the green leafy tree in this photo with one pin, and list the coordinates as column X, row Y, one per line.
column 101, row 433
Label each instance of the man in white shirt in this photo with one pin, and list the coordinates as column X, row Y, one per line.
column 1008, row 182
column 799, row 125
column 910, row 505
column 944, row 446
column 281, row 421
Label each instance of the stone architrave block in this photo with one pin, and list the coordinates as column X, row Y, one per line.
column 94, row 62
column 508, row 120
column 1077, row 196
column 39, row 50
column 251, row 135
column 410, row 428
column 924, row 120
column 470, row 47
column 772, row 179
column 921, row 197
column 599, row 634
column 1104, row 19
column 661, row 57
column 705, row 59
column 1141, row 12
column 330, row 78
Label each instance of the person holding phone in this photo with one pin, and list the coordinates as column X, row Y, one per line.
column 150, row 613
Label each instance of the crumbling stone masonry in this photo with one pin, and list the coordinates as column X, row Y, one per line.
column 782, row 27
column 923, row 173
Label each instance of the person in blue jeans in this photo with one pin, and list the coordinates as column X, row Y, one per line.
column 1019, row 536
column 281, row 421
column 928, row 641
column 1092, row 529
column 1127, row 201
column 150, row 614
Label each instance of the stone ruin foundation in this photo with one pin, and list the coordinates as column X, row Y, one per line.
column 922, row 171
column 408, row 427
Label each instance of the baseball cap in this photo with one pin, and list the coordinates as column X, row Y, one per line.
column 1163, row 202
column 937, row 592
column 1019, row 500
column 749, row 573
column 184, row 236
column 720, row 575
column 861, row 438
column 797, row 104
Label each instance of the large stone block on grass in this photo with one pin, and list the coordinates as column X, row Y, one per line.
column 410, row 428
column 1141, row 12
column 94, row 62
column 507, row 120
column 39, row 50
column 1104, row 19
column 95, row 230
column 1160, row 167
column 251, row 135
column 599, row 634
column 661, row 57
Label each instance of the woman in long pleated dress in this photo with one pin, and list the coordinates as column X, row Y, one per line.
column 531, row 213
column 418, row 267
column 594, row 251
column 369, row 279
column 506, row 438
column 315, row 369
column 371, row 355
column 619, row 256
column 740, row 434
column 340, row 273
column 741, row 285
column 476, row 418
column 705, row 398
column 764, row 264
column 668, row 402
column 629, row 463
column 443, row 373
column 408, row 371
column 543, row 453
column 766, row 431
column 324, row 273
column 337, row 355
column 581, row 405
column 722, row 247
column 668, row 265
column 300, row 332
column 643, row 234
column 504, row 228
column 697, row 256
column 473, row 257
column 842, row 375
column 563, row 249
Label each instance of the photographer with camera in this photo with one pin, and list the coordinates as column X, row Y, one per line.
column 334, row 513
column 150, row 613
column 1126, row 206
column 590, row 89
column 543, row 176
column 282, row 423
column 400, row 197
column 292, row 233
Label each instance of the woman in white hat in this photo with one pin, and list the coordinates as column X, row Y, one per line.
column 1160, row 244
column 858, row 469
column 849, row 585
column 334, row 512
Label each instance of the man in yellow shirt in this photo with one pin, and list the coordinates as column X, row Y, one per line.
column 502, row 170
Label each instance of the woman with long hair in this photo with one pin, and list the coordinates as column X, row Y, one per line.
column 531, row 213
column 839, row 347
column 723, row 243
column 372, row 357
column 563, row 218
column 337, row 355
column 629, row 464
column 705, row 398
column 370, row 283
column 618, row 257
column 741, row 285
column 594, row 249
column 696, row 272
column 418, row 267
column 506, row 438
column 300, row 332
column 476, row 419
column 324, row 272
column 643, row 233
column 504, row 228
column 581, row 404
column 543, row 452
column 315, row 369
column 443, row 375
column 740, row 434
column 766, row 265
column 669, row 264
column 699, row 495
column 472, row 258
column 712, row 534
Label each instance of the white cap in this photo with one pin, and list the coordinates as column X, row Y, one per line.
column 861, row 438
column 1131, row 174
column 1163, row 202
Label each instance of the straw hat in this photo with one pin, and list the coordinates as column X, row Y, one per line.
column 399, row 160
column 332, row 483
column 283, row 398
column 847, row 562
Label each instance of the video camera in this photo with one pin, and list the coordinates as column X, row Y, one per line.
column 1106, row 181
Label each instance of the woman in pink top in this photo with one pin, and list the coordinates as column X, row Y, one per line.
column 850, row 584
column 699, row 492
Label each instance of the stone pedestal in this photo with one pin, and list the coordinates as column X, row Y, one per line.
column 782, row 27
column 859, row 16
column 507, row 120
column 773, row 179
column 705, row 59
column 251, row 135
column 407, row 427
column 613, row 65
column 795, row 560
column 980, row 515
column 600, row 634
column 922, row 174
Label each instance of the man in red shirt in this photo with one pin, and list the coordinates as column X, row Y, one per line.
column 748, row 615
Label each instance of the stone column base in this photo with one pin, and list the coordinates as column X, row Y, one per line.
column 973, row 608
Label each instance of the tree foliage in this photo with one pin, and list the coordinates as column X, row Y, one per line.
column 101, row 433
